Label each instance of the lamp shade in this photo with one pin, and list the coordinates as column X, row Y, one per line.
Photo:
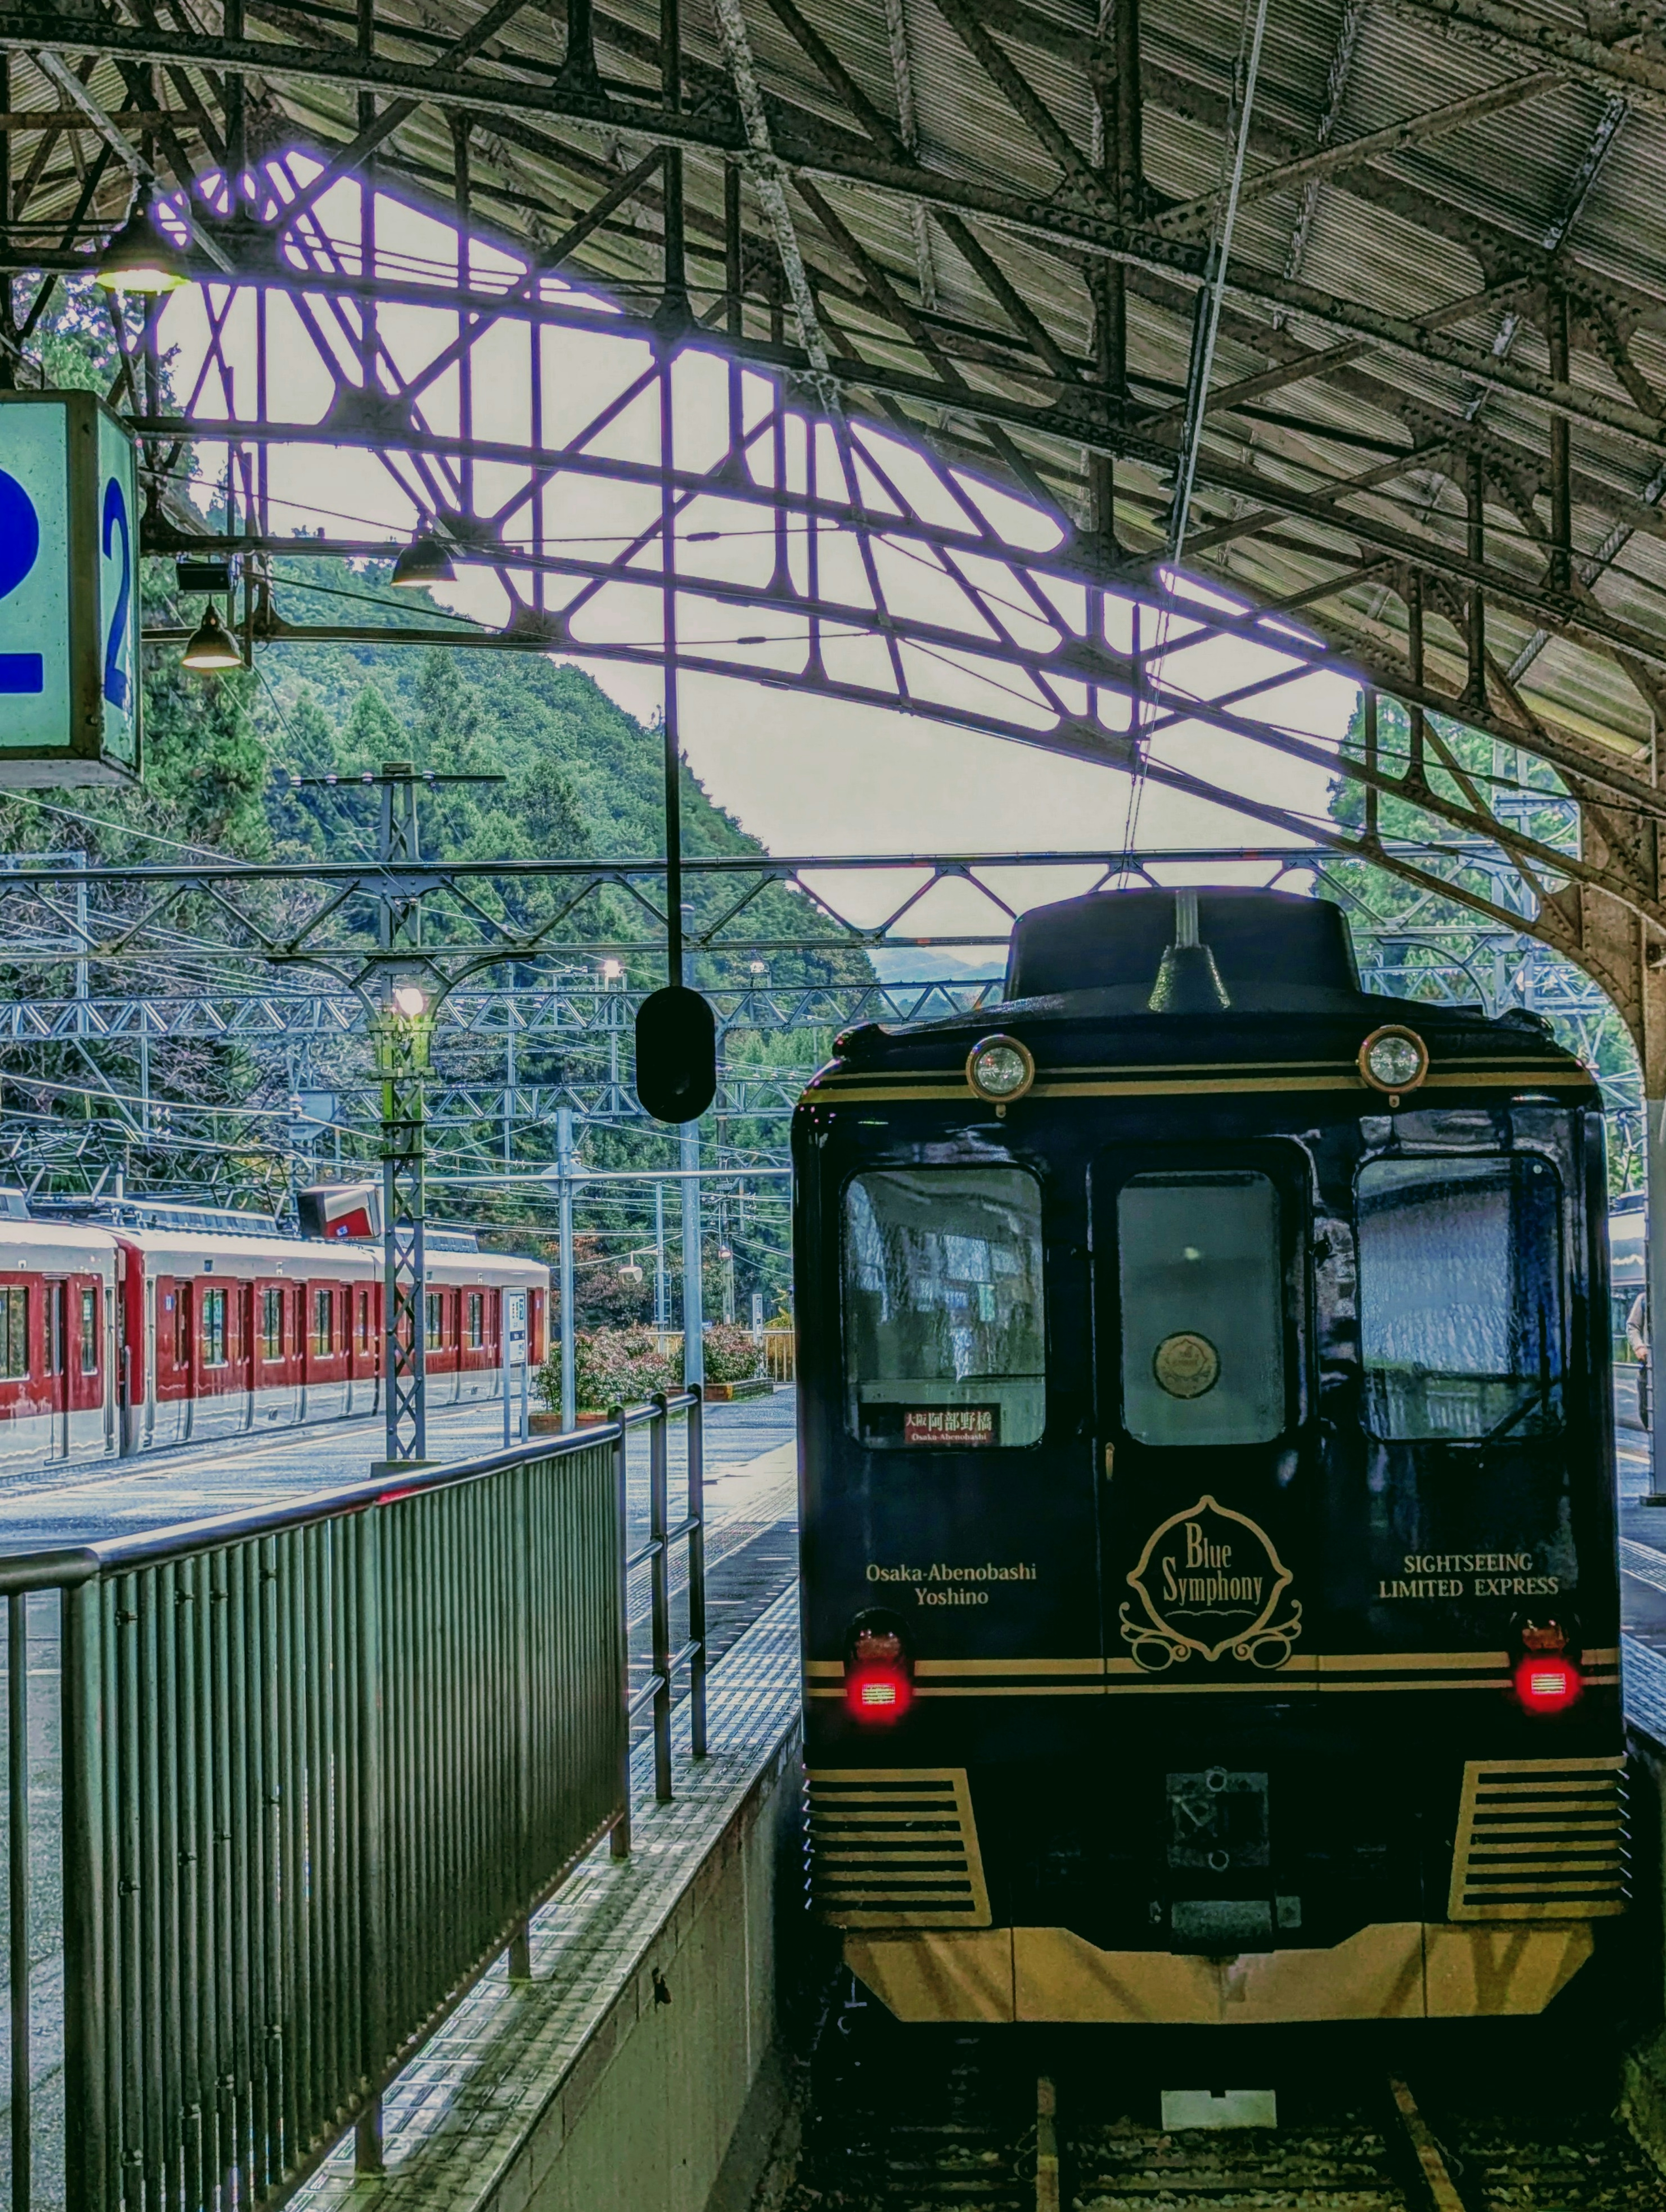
column 212, row 645
column 424, row 561
column 142, row 256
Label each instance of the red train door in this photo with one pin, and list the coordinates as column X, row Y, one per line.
column 55, row 1351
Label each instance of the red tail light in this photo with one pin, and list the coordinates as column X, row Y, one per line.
column 1546, row 1684
column 878, row 1695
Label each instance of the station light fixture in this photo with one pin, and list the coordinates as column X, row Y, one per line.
column 424, row 561
column 410, row 1000
column 1000, row 1069
column 1394, row 1061
column 212, row 646
column 142, row 257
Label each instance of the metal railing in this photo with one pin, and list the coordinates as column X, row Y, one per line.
column 780, row 1354
column 306, row 1774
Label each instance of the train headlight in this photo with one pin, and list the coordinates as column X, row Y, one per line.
column 1000, row 1069
column 1393, row 1060
column 1546, row 1683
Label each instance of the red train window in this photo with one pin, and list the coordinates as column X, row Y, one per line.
column 323, row 1317
column 13, row 1331
column 271, row 1324
column 89, row 1331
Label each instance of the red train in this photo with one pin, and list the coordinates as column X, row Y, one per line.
column 120, row 1338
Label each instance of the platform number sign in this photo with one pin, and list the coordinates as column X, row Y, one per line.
column 69, row 593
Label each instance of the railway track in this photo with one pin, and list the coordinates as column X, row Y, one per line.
column 953, row 2120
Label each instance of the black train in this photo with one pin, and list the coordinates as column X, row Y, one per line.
column 1210, row 1596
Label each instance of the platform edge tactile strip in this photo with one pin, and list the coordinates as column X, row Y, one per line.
column 1645, row 1678
column 456, row 2119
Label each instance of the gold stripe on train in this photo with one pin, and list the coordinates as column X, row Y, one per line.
column 872, row 1089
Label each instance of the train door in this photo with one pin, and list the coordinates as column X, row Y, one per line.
column 55, row 1361
column 1207, row 1548
column 1200, row 1254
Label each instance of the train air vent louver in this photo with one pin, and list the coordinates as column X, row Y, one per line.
column 895, row 1847
column 1538, row 1839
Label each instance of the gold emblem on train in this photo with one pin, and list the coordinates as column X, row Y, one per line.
column 1186, row 1365
column 1210, row 1582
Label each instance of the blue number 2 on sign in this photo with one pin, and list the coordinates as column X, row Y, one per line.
column 20, row 549
column 115, row 518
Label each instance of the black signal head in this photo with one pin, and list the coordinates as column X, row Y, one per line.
column 676, row 1055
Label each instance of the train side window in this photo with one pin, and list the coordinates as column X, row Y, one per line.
column 433, row 1320
column 943, row 1329
column 181, row 1326
column 323, row 1322
column 1202, row 1300
column 271, row 1324
column 476, row 1320
column 89, row 1331
column 364, row 1321
column 214, row 1329
column 14, row 1331
column 1459, row 1298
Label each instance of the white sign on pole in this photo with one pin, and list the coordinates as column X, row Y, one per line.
column 514, row 1303
column 69, row 593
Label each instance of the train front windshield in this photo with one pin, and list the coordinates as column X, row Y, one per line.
column 943, row 1335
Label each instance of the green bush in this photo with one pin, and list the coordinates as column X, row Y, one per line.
column 625, row 1366
column 733, row 1353
column 611, row 1367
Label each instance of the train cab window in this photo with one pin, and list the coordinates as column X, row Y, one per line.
column 271, row 1324
column 14, row 1331
column 323, row 1322
column 1203, row 1324
column 476, row 1320
column 1460, row 1303
column 943, row 1335
column 89, row 1331
column 214, row 1329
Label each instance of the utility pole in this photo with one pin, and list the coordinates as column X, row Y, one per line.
column 569, row 1403
column 661, row 1287
column 693, row 1325
column 403, row 1031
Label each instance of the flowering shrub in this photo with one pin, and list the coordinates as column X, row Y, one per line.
column 611, row 1367
column 733, row 1353
column 625, row 1366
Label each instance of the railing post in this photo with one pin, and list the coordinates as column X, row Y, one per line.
column 17, row 1846
column 697, row 1451
column 619, row 1841
column 658, row 1569
column 367, row 2139
column 373, row 1904
column 519, row 1954
column 86, row 2008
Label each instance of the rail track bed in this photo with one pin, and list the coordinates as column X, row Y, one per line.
column 1513, row 2118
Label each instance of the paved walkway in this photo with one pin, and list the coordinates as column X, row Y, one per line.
column 118, row 1497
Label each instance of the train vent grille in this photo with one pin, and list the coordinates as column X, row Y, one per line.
column 895, row 1847
column 1540, row 1839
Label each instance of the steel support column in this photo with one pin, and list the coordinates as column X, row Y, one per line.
column 402, row 1056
